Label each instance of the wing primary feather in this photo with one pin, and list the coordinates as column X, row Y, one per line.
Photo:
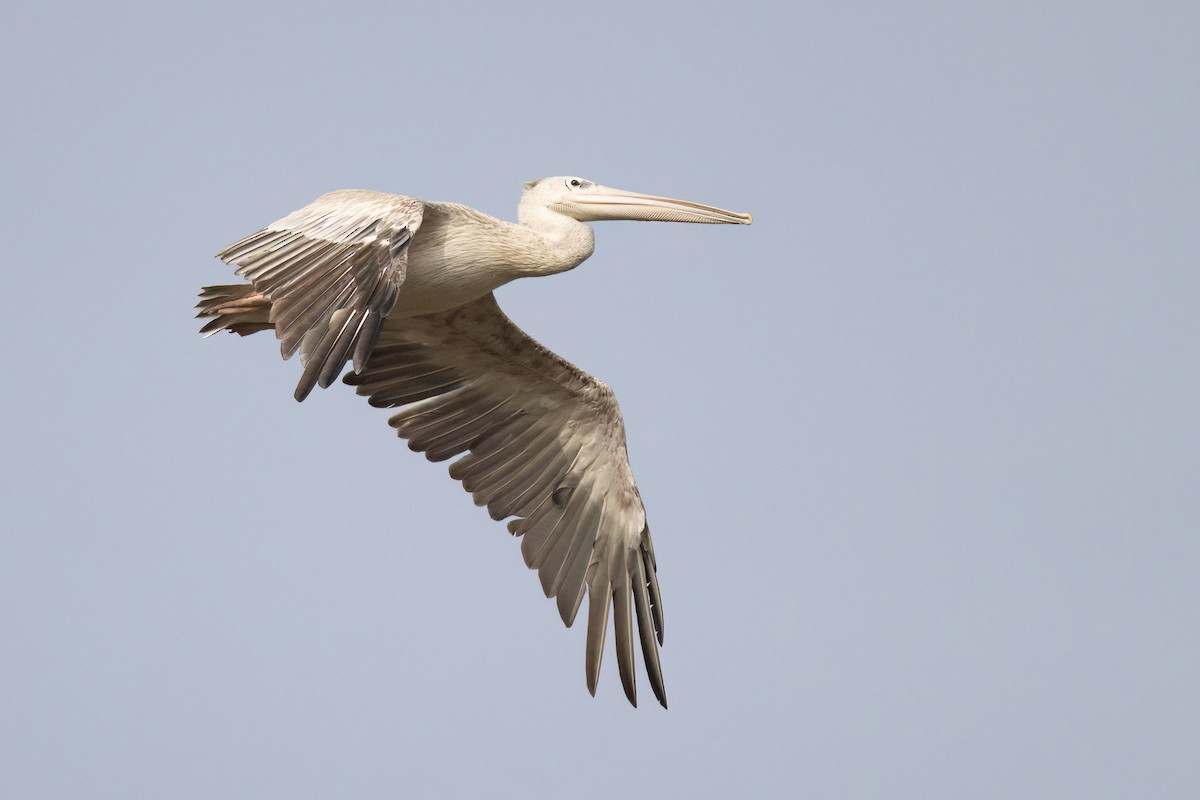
column 366, row 338
column 368, row 279
column 337, row 352
column 307, row 339
column 551, row 540
column 623, row 627
column 512, row 478
column 570, row 458
column 651, row 573
column 298, row 318
column 552, row 470
column 569, row 615
column 578, row 536
column 641, row 603
column 383, row 296
column 324, row 354
column 538, row 526
column 599, row 599
column 569, row 583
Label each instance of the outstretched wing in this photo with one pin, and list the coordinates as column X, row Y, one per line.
column 545, row 443
column 332, row 271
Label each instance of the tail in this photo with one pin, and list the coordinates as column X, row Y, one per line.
column 236, row 308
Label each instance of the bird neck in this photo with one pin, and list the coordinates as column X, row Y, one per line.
column 565, row 242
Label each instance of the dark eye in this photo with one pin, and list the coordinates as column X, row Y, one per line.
column 574, row 183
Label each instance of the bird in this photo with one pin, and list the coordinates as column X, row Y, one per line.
column 402, row 290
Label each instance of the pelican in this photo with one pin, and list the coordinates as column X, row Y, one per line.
column 402, row 290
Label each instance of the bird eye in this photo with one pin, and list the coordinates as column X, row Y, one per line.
column 574, row 183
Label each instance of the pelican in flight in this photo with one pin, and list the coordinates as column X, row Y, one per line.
column 402, row 289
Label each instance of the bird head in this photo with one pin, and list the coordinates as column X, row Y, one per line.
column 590, row 202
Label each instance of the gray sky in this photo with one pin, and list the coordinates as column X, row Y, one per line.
column 920, row 449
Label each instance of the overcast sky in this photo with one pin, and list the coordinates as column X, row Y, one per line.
column 920, row 448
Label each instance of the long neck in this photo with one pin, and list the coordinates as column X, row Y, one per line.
column 565, row 242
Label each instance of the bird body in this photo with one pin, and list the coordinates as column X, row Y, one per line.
column 465, row 254
column 403, row 289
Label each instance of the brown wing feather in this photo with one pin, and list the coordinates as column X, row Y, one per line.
column 332, row 272
column 542, row 441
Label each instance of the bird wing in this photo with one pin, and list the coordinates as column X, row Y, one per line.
column 545, row 443
column 332, row 271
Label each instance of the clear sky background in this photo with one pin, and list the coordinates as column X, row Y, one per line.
column 920, row 448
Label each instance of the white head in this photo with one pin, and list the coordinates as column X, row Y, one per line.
column 590, row 202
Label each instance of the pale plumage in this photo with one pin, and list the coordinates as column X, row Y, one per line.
column 402, row 289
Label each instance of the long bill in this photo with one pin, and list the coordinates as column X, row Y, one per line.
column 605, row 203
